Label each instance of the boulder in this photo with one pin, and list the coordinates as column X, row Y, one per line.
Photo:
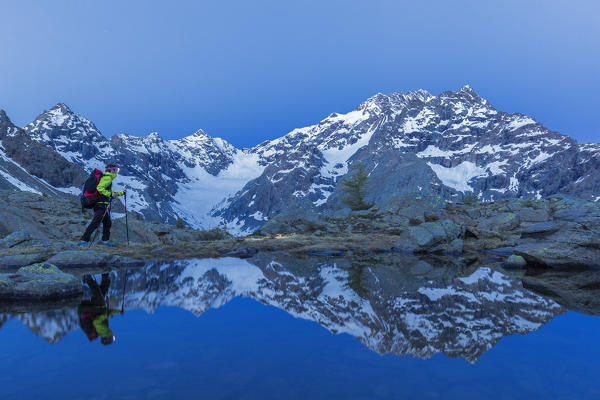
column 582, row 213
column 421, row 237
column 543, row 228
column 452, row 229
column 414, row 213
column 528, row 214
column 560, row 244
column 556, row 254
column 455, row 247
column 516, row 261
column 19, row 260
column 437, row 231
column 14, row 239
column 300, row 217
column 89, row 258
column 39, row 282
column 500, row 223
column 434, row 236
column 433, row 214
column 575, row 210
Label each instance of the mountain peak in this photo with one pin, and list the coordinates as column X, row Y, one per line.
column 419, row 94
column 197, row 137
column 154, row 136
column 58, row 115
column 61, row 108
column 376, row 101
column 468, row 90
column 5, row 120
column 199, row 133
column 6, row 125
column 395, row 99
column 465, row 93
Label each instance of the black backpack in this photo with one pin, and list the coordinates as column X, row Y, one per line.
column 89, row 192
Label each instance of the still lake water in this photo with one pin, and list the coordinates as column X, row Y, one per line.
column 276, row 327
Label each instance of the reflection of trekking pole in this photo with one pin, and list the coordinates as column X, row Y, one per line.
column 126, row 223
column 124, row 286
column 101, row 220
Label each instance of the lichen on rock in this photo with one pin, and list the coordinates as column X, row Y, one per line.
column 38, row 282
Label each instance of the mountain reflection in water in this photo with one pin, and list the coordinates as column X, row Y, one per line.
column 408, row 307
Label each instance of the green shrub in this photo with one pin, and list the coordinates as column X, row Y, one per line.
column 180, row 223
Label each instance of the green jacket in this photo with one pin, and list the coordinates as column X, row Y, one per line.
column 101, row 323
column 105, row 187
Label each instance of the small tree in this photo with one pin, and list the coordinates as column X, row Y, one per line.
column 355, row 187
column 180, row 223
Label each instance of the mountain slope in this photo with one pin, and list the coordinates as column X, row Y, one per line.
column 28, row 165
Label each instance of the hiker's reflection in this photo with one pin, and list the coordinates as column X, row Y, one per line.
column 94, row 313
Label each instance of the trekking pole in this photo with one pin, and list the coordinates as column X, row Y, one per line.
column 103, row 215
column 126, row 223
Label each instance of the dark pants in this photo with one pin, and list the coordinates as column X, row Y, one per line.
column 98, row 291
column 99, row 211
column 91, row 309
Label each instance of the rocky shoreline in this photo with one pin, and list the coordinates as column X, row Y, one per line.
column 559, row 233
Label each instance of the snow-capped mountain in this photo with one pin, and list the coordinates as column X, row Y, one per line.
column 461, row 143
column 444, row 145
column 165, row 179
column 416, row 311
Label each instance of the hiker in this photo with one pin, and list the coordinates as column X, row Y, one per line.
column 97, row 193
column 94, row 313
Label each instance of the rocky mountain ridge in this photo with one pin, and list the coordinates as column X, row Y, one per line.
column 28, row 165
column 411, row 143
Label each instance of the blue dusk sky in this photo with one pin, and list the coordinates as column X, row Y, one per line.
column 248, row 71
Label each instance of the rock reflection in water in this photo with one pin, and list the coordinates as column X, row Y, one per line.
column 576, row 290
column 404, row 306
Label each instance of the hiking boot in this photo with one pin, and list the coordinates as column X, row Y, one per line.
column 83, row 243
column 107, row 243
